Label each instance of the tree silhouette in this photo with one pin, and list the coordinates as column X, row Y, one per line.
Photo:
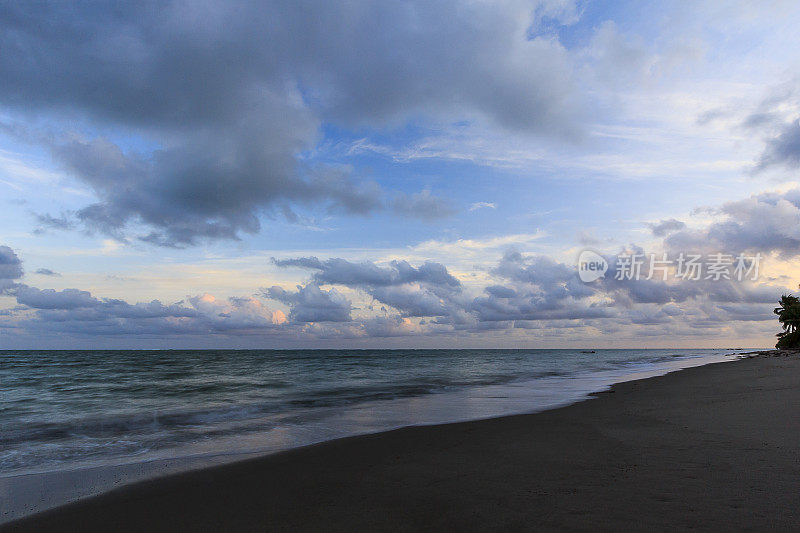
column 788, row 312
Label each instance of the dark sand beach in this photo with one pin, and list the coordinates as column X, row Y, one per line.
column 714, row 447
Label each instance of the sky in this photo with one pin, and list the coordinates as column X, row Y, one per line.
column 312, row 174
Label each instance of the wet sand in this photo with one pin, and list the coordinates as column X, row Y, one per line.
column 713, row 447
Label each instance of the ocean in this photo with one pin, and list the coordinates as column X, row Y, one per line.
column 64, row 410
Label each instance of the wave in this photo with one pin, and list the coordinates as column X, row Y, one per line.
column 75, row 406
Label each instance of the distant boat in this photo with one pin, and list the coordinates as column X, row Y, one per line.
column 588, row 351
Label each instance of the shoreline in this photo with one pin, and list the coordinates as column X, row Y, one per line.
column 464, row 463
column 26, row 493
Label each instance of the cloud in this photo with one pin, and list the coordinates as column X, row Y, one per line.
column 529, row 291
column 10, row 265
column 189, row 193
column 51, row 299
column 535, row 293
column 767, row 222
column 481, row 205
column 48, row 272
column 46, row 221
column 784, row 149
column 663, row 227
column 340, row 271
column 536, row 288
column 414, row 301
column 426, row 290
column 77, row 312
column 214, row 107
column 312, row 304
column 236, row 314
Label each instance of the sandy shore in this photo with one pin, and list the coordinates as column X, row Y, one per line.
column 713, row 447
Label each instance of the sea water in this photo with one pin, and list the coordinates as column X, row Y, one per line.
column 74, row 411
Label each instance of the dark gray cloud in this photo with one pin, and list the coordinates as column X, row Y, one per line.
column 783, row 149
column 531, row 307
column 629, row 293
column 179, row 62
column 213, row 104
column 312, row 304
column 194, row 192
column 538, row 288
column 10, row 265
column 51, row 299
column 765, row 223
column 343, row 272
column 540, row 270
column 427, row 290
column 666, row 226
column 414, row 301
column 67, row 304
column 555, row 281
